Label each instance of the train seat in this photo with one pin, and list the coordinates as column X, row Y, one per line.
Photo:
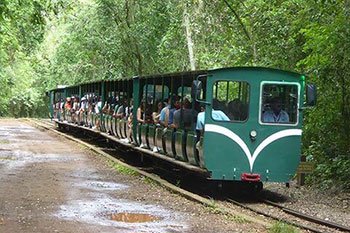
column 159, row 139
column 169, row 142
column 151, row 136
column 191, row 150
column 144, row 135
column 180, row 144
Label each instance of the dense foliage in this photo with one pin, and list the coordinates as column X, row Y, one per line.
column 47, row 42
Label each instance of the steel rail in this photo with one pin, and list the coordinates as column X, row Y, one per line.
column 299, row 225
column 294, row 213
column 309, row 217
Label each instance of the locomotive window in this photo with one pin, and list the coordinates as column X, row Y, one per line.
column 279, row 103
column 230, row 101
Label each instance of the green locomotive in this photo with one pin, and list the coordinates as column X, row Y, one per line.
column 246, row 122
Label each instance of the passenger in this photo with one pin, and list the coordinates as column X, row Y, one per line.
column 67, row 108
column 128, row 109
column 216, row 114
column 235, row 108
column 169, row 112
column 163, row 113
column 113, row 102
column 98, row 111
column 120, row 113
column 98, row 106
column 115, row 108
column 275, row 114
column 106, row 108
column 89, row 109
column 141, row 112
column 156, row 115
column 200, row 120
column 75, row 110
column 128, row 116
column 188, row 115
column 61, row 107
column 148, row 114
column 57, row 108
column 82, row 110
column 129, row 138
column 67, row 105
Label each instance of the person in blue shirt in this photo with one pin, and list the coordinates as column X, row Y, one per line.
column 216, row 114
column 276, row 114
column 163, row 113
column 167, row 113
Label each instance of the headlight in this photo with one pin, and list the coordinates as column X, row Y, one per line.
column 253, row 134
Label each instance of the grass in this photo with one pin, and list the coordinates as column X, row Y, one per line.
column 237, row 219
column 124, row 170
column 149, row 181
column 213, row 207
column 4, row 141
column 281, row 227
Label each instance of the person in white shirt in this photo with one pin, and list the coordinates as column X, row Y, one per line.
column 276, row 114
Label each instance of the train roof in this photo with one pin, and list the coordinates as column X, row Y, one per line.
column 186, row 74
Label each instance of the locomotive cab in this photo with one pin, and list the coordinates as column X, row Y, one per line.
column 252, row 124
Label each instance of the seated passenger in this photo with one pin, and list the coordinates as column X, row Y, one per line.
column 235, row 110
column 156, row 115
column 148, row 114
column 275, row 114
column 130, row 117
column 217, row 114
column 98, row 110
column 75, row 109
column 119, row 111
column 129, row 138
column 67, row 105
column 163, row 113
column 141, row 113
column 128, row 109
column 188, row 115
column 82, row 109
column 200, row 120
column 169, row 114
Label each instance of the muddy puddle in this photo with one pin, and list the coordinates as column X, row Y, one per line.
column 131, row 216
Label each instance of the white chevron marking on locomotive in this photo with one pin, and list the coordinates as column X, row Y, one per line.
column 234, row 137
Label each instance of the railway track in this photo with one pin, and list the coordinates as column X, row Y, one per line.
column 259, row 206
column 293, row 217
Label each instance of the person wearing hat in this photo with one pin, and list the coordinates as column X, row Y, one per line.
column 82, row 108
column 75, row 109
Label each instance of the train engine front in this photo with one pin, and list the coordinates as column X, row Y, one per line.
column 252, row 124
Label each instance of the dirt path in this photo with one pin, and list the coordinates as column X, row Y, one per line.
column 49, row 184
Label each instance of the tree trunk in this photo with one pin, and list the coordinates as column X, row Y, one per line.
column 190, row 44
